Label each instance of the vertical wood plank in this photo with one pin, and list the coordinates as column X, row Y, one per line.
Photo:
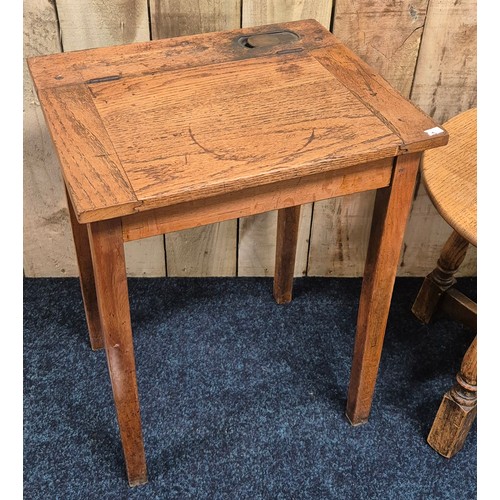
column 176, row 17
column 87, row 24
column 202, row 251
column 257, row 243
column 97, row 23
column 386, row 34
column 445, row 85
column 339, row 235
column 257, row 234
column 48, row 247
column 257, row 12
column 208, row 250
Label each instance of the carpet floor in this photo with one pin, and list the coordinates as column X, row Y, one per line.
column 240, row 398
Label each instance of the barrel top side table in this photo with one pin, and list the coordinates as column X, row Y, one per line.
column 166, row 135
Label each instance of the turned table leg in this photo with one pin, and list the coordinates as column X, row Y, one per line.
column 286, row 246
column 106, row 242
column 392, row 207
column 87, row 281
column 458, row 409
column 441, row 278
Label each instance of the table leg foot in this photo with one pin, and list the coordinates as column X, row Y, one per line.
column 392, row 207
column 108, row 257
column 286, row 246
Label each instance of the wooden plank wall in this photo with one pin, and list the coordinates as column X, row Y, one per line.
column 425, row 48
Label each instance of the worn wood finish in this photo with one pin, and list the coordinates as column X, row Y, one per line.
column 451, row 183
column 95, row 23
column 303, row 98
column 386, row 35
column 257, row 200
column 339, row 235
column 445, row 78
column 87, row 24
column 301, row 146
column 47, row 246
column 458, row 409
column 170, row 18
column 459, row 307
column 279, row 11
column 87, row 280
column 257, row 243
column 392, row 207
column 444, row 86
column 202, row 251
column 95, row 178
column 106, row 243
column 209, row 250
column 376, row 32
column 169, row 54
column 450, row 175
column 441, row 278
column 257, row 234
column 286, row 247
column 147, row 153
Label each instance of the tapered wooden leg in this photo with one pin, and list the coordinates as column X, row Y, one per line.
column 392, row 207
column 441, row 278
column 458, row 409
column 286, row 246
column 87, row 281
column 106, row 242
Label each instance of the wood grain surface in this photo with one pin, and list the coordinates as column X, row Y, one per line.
column 87, row 279
column 82, row 25
column 257, row 234
column 171, row 18
column 108, row 259
column 94, row 175
column 286, row 248
column 441, row 279
column 458, row 409
column 288, row 123
column 392, row 207
column 87, row 24
column 169, row 54
column 47, row 244
column 450, row 176
column 209, row 250
column 445, row 85
column 258, row 200
column 99, row 23
column 386, row 35
column 447, row 43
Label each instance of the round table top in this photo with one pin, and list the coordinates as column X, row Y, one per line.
column 449, row 174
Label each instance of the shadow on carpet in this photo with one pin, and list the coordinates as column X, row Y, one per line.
column 240, row 398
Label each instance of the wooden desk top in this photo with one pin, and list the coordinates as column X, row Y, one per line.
column 153, row 124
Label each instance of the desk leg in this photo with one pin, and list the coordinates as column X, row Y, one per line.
column 87, row 282
column 392, row 207
column 286, row 246
column 106, row 242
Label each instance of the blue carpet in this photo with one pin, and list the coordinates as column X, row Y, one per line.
column 240, row 398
